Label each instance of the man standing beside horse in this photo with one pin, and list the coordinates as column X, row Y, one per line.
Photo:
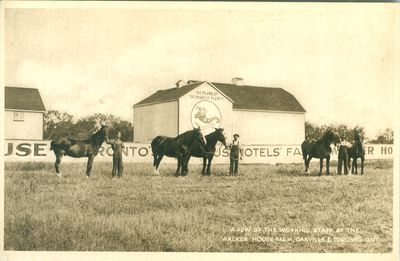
column 117, row 146
column 235, row 152
column 343, row 155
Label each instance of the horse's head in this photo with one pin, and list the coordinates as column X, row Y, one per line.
column 104, row 130
column 331, row 137
column 357, row 136
column 221, row 136
column 199, row 136
column 335, row 138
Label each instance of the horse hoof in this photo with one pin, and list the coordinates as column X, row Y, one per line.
column 58, row 175
column 156, row 172
column 87, row 176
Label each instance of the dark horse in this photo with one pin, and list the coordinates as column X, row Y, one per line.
column 178, row 147
column 207, row 152
column 319, row 149
column 79, row 148
column 356, row 151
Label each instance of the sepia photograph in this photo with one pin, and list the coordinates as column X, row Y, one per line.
column 148, row 129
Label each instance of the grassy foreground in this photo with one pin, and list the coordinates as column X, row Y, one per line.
column 267, row 208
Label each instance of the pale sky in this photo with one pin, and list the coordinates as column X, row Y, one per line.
column 336, row 59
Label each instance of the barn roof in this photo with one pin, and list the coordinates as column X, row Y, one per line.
column 245, row 97
column 17, row 98
column 169, row 94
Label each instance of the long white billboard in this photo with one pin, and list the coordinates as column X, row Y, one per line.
column 25, row 151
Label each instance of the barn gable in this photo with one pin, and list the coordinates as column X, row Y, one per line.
column 174, row 94
column 17, row 98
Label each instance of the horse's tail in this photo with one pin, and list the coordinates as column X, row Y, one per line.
column 155, row 143
column 304, row 149
column 52, row 145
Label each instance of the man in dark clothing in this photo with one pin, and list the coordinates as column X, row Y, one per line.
column 343, row 156
column 117, row 146
column 235, row 151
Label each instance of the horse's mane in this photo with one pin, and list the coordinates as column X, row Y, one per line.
column 358, row 141
column 185, row 134
column 324, row 136
column 212, row 133
column 357, row 137
column 97, row 136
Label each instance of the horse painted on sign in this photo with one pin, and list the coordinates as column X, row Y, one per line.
column 179, row 147
column 356, row 151
column 207, row 152
column 79, row 148
column 320, row 149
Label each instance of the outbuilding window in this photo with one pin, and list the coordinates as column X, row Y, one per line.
column 18, row 116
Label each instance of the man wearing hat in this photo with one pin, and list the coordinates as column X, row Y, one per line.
column 343, row 157
column 117, row 146
column 235, row 151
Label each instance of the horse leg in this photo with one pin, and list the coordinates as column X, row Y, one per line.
column 328, row 158
column 203, row 172
column 362, row 165
column 89, row 166
column 185, row 168
column 321, row 165
column 182, row 165
column 208, row 173
column 57, row 164
column 307, row 163
column 179, row 166
column 355, row 165
column 352, row 165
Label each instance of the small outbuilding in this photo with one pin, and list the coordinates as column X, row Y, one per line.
column 24, row 111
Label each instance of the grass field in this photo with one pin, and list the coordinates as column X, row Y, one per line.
column 267, row 208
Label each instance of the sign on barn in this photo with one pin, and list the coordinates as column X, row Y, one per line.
column 261, row 115
column 26, row 151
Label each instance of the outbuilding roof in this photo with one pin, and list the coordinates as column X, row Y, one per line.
column 17, row 98
column 244, row 97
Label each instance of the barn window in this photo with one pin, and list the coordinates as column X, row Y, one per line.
column 18, row 116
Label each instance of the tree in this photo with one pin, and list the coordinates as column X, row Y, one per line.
column 86, row 126
column 384, row 137
column 313, row 131
column 56, row 124
column 126, row 129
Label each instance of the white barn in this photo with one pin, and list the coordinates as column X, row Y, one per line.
column 24, row 111
column 261, row 115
